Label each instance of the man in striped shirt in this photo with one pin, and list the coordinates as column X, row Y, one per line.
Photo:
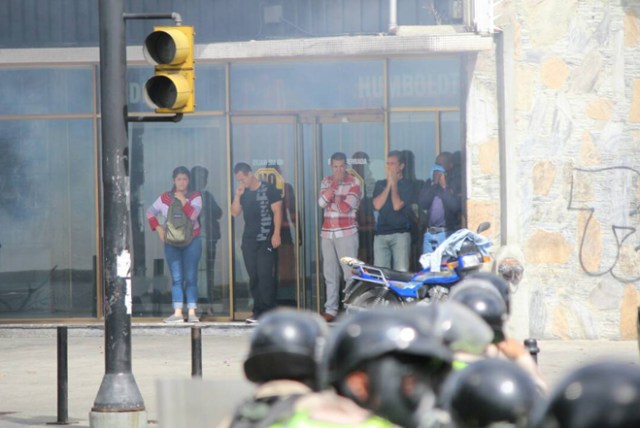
column 340, row 196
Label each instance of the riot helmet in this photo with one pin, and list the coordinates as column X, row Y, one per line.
column 496, row 281
column 403, row 364
column 287, row 344
column 603, row 394
column 460, row 328
column 490, row 393
column 485, row 303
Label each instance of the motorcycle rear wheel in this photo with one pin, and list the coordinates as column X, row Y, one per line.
column 374, row 298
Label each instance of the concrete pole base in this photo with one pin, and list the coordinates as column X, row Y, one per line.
column 118, row 419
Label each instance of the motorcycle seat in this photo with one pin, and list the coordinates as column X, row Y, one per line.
column 396, row 275
column 426, row 275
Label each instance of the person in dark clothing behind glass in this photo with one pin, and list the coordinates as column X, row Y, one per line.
column 442, row 204
column 366, row 220
column 392, row 199
column 262, row 206
column 418, row 218
column 210, row 221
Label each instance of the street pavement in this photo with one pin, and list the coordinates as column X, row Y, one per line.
column 162, row 355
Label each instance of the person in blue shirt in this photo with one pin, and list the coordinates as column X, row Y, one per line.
column 392, row 199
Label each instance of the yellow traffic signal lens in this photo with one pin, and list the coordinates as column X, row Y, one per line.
column 172, row 88
column 167, row 47
column 168, row 91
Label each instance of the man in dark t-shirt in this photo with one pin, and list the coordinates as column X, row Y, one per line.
column 261, row 204
column 392, row 198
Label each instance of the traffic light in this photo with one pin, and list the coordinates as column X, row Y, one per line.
column 172, row 88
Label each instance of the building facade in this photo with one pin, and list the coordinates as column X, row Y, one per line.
column 541, row 103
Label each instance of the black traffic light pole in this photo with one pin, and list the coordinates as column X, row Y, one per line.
column 118, row 392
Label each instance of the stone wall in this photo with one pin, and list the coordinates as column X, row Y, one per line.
column 577, row 132
column 482, row 154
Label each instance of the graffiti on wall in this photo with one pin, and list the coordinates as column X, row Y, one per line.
column 609, row 198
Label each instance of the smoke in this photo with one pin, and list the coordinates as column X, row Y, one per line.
column 15, row 182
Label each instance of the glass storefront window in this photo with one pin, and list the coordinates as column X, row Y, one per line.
column 269, row 148
column 450, row 131
column 415, row 132
column 210, row 87
column 363, row 143
column 298, row 86
column 433, row 82
column 47, row 218
column 158, row 148
column 286, row 115
column 32, row 91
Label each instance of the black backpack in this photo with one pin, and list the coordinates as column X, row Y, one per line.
column 179, row 227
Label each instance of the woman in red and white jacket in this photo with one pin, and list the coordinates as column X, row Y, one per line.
column 182, row 260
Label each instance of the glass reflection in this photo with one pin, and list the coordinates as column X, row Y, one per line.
column 47, row 218
column 269, row 149
column 156, row 149
column 433, row 82
column 294, row 86
column 46, row 90
column 363, row 142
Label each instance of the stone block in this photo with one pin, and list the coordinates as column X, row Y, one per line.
column 582, row 189
column 600, row 109
column 606, row 295
column 489, row 157
column 525, row 78
column 543, row 176
column 591, row 242
column 517, row 40
column 584, row 77
column 538, row 313
column 634, row 114
column 548, row 20
column 481, row 210
column 560, row 322
column 631, row 29
column 589, row 154
column 628, row 262
column 554, row 72
column 544, row 247
column 629, row 313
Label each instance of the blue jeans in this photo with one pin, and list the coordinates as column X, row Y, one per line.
column 392, row 251
column 183, row 265
column 431, row 241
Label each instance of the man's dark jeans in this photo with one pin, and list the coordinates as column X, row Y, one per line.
column 260, row 261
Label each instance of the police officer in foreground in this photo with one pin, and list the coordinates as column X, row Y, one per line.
column 493, row 280
column 383, row 362
column 284, row 357
column 597, row 395
column 489, row 305
column 463, row 331
column 490, row 393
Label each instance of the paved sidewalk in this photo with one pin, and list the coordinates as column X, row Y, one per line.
column 28, row 367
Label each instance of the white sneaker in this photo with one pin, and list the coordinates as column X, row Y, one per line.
column 174, row 319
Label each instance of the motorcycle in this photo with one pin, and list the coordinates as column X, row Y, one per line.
column 460, row 254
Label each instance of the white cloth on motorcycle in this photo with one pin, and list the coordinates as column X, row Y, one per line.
column 451, row 246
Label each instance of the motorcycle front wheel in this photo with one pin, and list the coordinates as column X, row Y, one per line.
column 374, row 298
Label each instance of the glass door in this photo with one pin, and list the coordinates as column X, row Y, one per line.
column 361, row 137
column 270, row 146
column 292, row 152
